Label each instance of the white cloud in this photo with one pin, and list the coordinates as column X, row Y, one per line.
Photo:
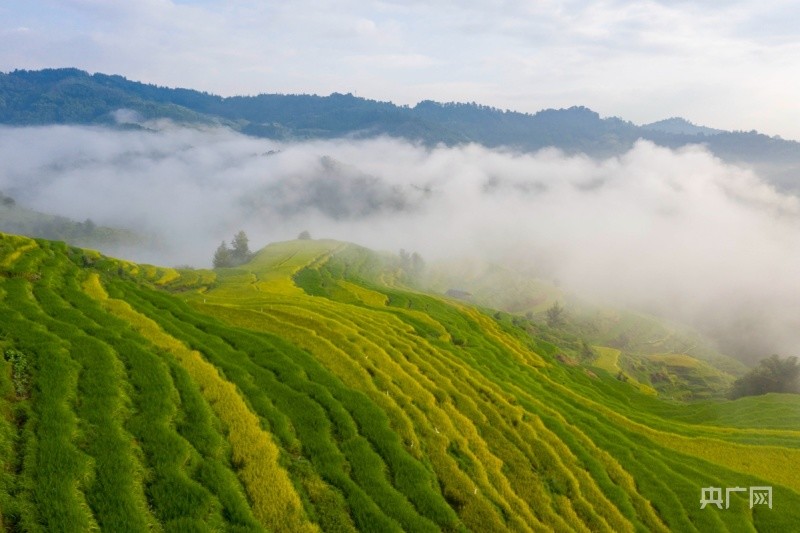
column 680, row 233
column 391, row 61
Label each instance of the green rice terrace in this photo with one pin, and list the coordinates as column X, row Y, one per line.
column 310, row 390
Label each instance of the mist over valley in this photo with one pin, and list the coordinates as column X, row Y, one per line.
column 678, row 233
column 380, row 266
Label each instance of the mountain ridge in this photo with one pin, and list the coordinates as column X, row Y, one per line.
column 59, row 96
column 681, row 126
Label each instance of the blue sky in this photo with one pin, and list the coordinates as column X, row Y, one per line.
column 726, row 64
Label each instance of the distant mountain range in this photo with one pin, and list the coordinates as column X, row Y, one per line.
column 72, row 96
column 680, row 126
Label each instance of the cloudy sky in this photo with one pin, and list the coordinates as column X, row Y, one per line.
column 727, row 64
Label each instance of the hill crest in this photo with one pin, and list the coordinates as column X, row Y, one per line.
column 295, row 394
column 72, row 96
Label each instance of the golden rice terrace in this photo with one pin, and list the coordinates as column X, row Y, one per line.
column 309, row 390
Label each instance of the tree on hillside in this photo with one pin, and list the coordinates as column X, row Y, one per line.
column 556, row 315
column 222, row 257
column 88, row 227
column 240, row 252
column 417, row 265
column 772, row 374
column 304, row 236
column 412, row 264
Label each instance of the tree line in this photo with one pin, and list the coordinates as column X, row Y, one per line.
column 772, row 374
column 237, row 254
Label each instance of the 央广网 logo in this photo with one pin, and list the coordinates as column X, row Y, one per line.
column 713, row 496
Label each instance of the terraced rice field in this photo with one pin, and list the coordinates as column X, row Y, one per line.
column 309, row 391
column 608, row 360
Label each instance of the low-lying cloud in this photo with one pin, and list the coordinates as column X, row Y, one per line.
column 676, row 232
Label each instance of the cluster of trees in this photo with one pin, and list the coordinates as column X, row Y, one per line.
column 556, row 315
column 772, row 374
column 23, row 221
column 72, row 96
column 60, row 228
column 411, row 263
column 237, row 254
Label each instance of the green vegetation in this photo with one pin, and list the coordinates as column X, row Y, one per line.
column 556, row 316
column 238, row 254
column 644, row 351
column 310, row 389
column 772, row 374
column 20, row 220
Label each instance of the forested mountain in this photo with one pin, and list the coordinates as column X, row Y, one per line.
column 680, row 126
column 71, row 96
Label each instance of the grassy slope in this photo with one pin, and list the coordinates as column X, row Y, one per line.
column 635, row 343
column 20, row 220
column 306, row 390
